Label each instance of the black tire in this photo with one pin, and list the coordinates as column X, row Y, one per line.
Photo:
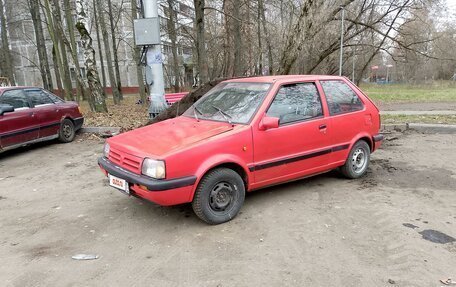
column 219, row 196
column 66, row 132
column 357, row 161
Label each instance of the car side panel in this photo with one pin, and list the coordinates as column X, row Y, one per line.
column 18, row 127
column 199, row 159
column 49, row 118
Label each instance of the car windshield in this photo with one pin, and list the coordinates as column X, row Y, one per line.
column 230, row 102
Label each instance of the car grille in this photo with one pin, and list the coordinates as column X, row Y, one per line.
column 129, row 162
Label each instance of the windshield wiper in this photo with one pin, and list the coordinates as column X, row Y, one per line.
column 196, row 111
column 224, row 114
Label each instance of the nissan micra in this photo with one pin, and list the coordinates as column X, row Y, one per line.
column 243, row 135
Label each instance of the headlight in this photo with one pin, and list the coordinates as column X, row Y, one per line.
column 106, row 150
column 153, row 168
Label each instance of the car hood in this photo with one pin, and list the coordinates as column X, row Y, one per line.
column 164, row 137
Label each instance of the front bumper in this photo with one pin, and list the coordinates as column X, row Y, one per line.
column 78, row 122
column 161, row 191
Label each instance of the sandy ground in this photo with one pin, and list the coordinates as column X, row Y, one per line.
column 323, row 231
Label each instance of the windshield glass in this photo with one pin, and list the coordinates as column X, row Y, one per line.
column 230, row 102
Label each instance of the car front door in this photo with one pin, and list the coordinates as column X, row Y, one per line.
column 299, row 146
column 47, row 112
column 348, row 116
column 20, row 126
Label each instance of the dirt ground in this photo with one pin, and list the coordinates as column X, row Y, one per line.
column 322, row 231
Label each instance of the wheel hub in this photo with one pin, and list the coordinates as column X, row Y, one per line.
column 359, row 160
column 221, row 196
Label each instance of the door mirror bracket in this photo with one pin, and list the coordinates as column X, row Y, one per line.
column 6, row 109
column 269, row 123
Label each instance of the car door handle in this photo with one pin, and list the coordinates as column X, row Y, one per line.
column 322, row 127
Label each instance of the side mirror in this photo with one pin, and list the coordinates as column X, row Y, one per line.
column 6, row 109
column 269, row 123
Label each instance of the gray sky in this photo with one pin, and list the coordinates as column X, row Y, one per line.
column 452, row 4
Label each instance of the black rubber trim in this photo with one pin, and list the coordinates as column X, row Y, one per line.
column 378, row 138
column 21, row 132
column 298, row 158
column 78, row 122
column 150, row 183
column 16, row 133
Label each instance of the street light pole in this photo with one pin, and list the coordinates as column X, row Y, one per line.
column 341, row 41
column 154, row 62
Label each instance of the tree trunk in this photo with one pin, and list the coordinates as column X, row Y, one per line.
column 238, row 67
column 173, row 38
column 114, row 49
column 58, row 45
column 137, row 58
column 201, row 41
column 60, row 37
column 58, row 79
column 260, row 46
column 7, row 59
column 100, row 52
column 96, row 98
column 41, row 45
column 268, row 39
column 69, row 20
column 104, row 32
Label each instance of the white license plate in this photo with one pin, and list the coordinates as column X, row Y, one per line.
column 119, row 183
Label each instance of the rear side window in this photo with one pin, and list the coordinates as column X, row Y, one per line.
column 341, row 98
column 38, row 97
column 296, row 102
column 53, row 97
column 15, row 98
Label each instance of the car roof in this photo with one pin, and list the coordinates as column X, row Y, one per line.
column 4, row 89
column 284, row 78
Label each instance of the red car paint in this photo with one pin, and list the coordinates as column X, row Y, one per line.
column 34, row 122
column 263, row 156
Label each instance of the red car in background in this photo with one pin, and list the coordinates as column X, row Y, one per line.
column 246, row 134
column 29, row 115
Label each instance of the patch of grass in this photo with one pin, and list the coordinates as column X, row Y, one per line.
column 439, row 91
column 426, row 119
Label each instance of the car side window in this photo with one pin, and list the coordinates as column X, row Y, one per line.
column 38, row 97
column 15, row 98
column 296, row 102
column 53, row 97
column 340, row 97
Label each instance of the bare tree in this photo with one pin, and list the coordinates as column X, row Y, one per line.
column 137, row 57
column 40, row 45
column 100, row 53
column 173, row 37
column 96, row 98
column 114, row 47
column 59, row 49
column 104, row 32
column 7, row 63
column 72, row 47
column 201, row 41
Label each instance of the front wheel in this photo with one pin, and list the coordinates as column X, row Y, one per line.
column 66, row 132
column 357, row 161
column 219, row 196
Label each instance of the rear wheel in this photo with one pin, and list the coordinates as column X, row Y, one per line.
column 219, row 196
column 358, row 161
column 66, row 132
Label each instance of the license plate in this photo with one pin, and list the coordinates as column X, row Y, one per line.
column 119, row 183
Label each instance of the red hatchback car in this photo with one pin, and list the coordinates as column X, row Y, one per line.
column 243, row 135
column 29, row 115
